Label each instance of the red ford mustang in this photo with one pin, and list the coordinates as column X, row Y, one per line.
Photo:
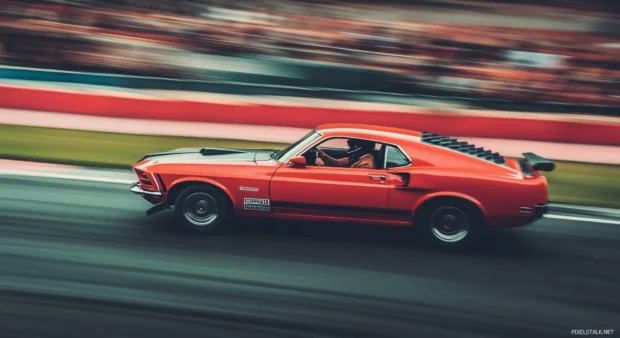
column 351, row 173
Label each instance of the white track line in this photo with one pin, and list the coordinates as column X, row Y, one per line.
column 68, row 177
column 582, row 219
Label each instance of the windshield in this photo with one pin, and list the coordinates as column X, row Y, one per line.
column 285, row 154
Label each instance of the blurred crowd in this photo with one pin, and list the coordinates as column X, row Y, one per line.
column 147, row 37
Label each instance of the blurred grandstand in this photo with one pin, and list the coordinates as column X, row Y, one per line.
column 500, row 50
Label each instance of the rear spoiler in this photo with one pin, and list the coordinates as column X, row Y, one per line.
column 536, row 162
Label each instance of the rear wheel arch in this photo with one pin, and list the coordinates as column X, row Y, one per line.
column 448, row 198
column 449, row 222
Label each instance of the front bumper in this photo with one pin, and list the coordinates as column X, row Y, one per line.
column 541, row 209
column 155, row 197
column 537, row 211
column 135, row 188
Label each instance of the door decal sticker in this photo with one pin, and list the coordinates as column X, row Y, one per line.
column 257, row 204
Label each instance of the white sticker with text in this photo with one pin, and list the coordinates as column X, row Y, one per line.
column 257, row 204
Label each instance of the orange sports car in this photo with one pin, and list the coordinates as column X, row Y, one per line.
column 448, row 189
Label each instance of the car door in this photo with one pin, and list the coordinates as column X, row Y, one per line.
column 334, row 191
column 398, row 165
column 329, row 190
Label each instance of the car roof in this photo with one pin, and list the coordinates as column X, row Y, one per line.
column 404, row 138
column 366, row 129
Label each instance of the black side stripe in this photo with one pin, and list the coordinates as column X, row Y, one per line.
column 338, row 208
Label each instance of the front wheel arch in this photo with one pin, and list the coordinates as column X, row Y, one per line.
column 180, row 185
column 176, row 189
column 203, row 208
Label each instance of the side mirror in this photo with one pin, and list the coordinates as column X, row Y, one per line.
column 297, row 162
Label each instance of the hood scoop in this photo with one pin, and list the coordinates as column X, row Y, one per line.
column 219, row 151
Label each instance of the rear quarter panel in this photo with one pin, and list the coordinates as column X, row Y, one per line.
column 498, row 190
column 498, row 197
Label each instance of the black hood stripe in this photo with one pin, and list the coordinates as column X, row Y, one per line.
column 225, row 154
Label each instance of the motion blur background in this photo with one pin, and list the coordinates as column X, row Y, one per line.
column 497, row 72
column 98, row 84
column 523, row 51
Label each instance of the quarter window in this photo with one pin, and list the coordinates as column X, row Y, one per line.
column 394, row 158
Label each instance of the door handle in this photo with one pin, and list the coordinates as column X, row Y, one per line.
column 377, row 177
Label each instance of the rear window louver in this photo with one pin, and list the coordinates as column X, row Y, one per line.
column 463, row 147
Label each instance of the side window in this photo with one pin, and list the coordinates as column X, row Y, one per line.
column 338, row 148
column 335, row 144
column 341, row 143
column 395, row 158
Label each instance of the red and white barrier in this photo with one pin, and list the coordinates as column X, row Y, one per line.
column 486, row 124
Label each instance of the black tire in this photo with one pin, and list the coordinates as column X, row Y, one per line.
column 450, row 224
column 203, row 209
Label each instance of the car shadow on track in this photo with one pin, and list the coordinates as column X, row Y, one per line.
column 294, row 237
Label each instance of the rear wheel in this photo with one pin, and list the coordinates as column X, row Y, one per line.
column 203, row 209
column 450, row 224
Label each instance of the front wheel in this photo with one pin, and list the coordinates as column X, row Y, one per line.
column 450, row 225
column 203, row 209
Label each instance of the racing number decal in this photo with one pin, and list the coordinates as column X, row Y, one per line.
column 257, row 204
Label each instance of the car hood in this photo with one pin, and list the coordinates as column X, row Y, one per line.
column 204, row 155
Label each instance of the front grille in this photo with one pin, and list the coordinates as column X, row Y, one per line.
column 146, row 182
column 144, row 179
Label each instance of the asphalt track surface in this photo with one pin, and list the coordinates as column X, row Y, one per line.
column 81, row 259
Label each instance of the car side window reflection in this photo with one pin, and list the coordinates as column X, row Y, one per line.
column 394, row 158
column 337, row 149
column 335, row 144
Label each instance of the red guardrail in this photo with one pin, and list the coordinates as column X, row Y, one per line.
column 449, row 123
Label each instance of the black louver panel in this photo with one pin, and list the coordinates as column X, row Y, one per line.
column 219, row 151
column 463, row 147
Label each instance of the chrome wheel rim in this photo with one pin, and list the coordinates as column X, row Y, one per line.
column 200, row 209
column 450, row 224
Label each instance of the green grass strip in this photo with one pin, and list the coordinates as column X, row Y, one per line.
column 109, row 150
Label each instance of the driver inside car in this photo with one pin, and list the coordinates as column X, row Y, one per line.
column 359, row 155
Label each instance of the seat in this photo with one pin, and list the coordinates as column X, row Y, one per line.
column 380, row 158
